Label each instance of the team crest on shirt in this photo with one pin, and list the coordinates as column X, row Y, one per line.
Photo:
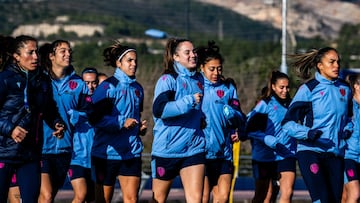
column 184, row 85
column 342, row 91
column 73, row 84
column 137, row 93
column 220, row 93
column 106, row 86
column 275, row 107
column 200, row 85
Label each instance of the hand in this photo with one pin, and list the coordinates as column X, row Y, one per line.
column 197, row 97
column 59, row 130
column 234, row 137
column 130, row 123
column 282, row 150
column 18, row 134
column 143, row 128
column 314, row 134
column 346, row 134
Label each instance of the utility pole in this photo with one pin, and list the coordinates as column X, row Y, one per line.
column 283, row 66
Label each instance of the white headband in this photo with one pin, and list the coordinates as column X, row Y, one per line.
column 125, row 52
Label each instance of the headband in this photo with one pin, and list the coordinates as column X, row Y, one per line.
column 125, row 52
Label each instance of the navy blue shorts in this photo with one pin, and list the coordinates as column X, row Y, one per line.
column 265, row 170
column 352, row 170
column 76, row 171
column 288, row 164
column 323, row 174
column 28, row 180
column 106, row 171
column 169, row 168
column 216, row 167
column 57, row 166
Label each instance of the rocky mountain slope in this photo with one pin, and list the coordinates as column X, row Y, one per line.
column 308, row 19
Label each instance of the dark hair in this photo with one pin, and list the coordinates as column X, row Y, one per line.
column 171, row 48
column 304, row 62
column 5, row 56
column 101, row 74
column 89, row 70
column 44, row 52
column 19, row 42
column 229, row 81
column 353, row 79
column 115, row 52
column 267, row 91
column 207, row 53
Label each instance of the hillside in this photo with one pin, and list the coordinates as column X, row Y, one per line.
column 103, row 21
column 307, row 19
column 178, row 18
column 304, row 18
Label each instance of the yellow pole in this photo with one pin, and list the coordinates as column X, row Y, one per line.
column 236, row 159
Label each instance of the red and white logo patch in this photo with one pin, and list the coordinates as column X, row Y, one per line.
column 342, row 91
column 220, row 93
column 73, row 84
